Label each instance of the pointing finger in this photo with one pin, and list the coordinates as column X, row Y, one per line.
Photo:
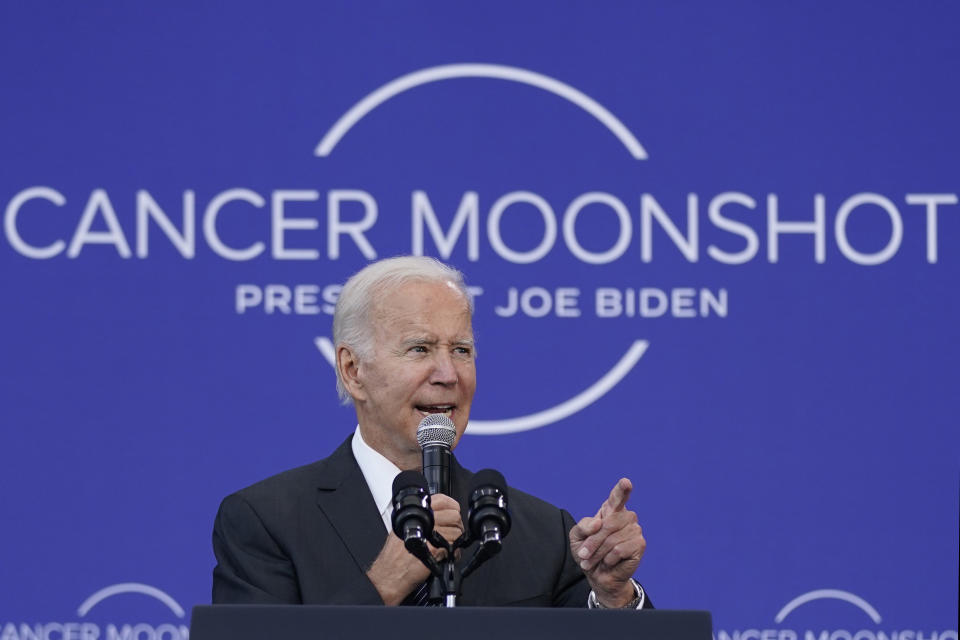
column 617, row 498
column 613, row 525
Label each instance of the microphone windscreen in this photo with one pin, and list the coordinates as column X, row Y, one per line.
column 408, row 479
column 436, row 428
column 489, row 478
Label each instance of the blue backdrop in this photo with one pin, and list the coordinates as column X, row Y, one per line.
column 715, row 247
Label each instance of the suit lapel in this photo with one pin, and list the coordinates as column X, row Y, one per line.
column 460, row 479
column 346, row 501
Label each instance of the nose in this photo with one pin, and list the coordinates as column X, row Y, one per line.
column 444, row 371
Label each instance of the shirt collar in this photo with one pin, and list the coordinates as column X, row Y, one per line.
column 379, row 474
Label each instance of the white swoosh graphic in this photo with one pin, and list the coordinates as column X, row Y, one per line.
column 834, row 594
column 129, row 587
column 475, row 70
column 326, row 348
column 548, row 416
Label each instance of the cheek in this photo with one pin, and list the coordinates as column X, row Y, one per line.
column 396, row 388
column 377, row 382
column 468, row 377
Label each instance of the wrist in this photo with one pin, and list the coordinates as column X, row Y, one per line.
column 631, row 596
column 395, row 573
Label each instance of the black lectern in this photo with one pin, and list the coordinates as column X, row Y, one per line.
column 300, row 622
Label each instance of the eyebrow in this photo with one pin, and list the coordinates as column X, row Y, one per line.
column 415, row 340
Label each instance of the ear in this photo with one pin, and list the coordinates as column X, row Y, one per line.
column 348, row 364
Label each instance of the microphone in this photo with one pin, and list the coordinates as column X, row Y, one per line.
column 412, row 517
column 436, row 434
column 488, row 518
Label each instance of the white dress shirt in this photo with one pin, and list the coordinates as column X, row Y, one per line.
column 379, row 474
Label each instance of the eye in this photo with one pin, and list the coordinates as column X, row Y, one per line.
column 419, row 348
column 463, row 351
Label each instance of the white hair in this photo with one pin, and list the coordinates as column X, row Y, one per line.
column 351, row 319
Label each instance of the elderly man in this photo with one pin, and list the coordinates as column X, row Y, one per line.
column 321, row 533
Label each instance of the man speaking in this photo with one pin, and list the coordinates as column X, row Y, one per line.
column 320, row 534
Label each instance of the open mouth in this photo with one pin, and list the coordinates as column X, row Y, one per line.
column 427, row 409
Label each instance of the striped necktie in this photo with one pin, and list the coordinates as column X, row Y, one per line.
column 420, row 597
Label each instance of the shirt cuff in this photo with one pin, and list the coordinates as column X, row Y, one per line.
column 593, row 603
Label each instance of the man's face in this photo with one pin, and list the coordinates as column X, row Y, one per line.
column 422, row 363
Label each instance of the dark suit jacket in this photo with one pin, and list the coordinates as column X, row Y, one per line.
column 308, row 535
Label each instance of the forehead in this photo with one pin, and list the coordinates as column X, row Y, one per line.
column 434, row 307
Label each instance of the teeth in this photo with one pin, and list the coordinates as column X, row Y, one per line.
column 446, row 410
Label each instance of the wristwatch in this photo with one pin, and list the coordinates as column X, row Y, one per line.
column 593, row 603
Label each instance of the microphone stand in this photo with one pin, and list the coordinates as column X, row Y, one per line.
column 447, row 578
column 445, row 583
